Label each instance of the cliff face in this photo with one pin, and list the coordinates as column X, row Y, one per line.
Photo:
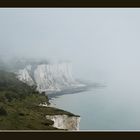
column 24, row 76
column 52, row 78
column 49, row 77
column 65, row 121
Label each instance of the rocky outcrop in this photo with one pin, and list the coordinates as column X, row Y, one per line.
column 24, row 76
column 65, row 121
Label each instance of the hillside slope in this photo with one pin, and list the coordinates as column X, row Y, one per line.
column 19, row 106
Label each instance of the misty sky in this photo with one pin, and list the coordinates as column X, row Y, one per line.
column 100, row 43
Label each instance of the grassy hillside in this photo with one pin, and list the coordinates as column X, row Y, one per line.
column 19, row 106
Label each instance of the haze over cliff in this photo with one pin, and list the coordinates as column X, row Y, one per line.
column 49, row 77
column 21, row 105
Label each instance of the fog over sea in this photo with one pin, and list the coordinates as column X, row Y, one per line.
column 109, row 108
column 103, row 45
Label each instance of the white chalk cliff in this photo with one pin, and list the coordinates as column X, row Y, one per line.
column 52, row 78
column 49, row 77
column 25, row 77
column 65, row 121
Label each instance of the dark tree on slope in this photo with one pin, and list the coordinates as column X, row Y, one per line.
column 3, row 112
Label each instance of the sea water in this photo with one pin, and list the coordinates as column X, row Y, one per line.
column 114, row 107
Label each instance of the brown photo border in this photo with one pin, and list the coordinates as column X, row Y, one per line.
column 80, row 134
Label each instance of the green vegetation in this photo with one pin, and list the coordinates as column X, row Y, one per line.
column 19, row 106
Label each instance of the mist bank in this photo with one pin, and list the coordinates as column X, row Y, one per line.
column 48, row 75
column 50, row 78
column 23, row 104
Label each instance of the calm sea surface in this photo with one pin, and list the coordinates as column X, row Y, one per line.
column 114, row 107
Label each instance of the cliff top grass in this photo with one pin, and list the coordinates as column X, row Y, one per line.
column 19, row 106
